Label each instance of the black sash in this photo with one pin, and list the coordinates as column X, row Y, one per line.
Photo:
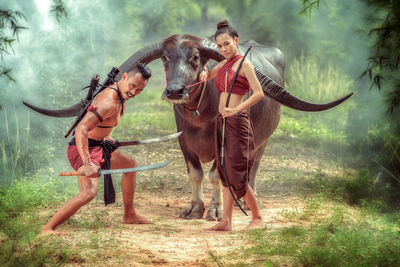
column 108, row 147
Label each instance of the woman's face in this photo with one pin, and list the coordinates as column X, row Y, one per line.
column 227, row 45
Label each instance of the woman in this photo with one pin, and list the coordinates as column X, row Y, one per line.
column 238, row 133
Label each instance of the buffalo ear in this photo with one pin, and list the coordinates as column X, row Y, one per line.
column 209, row 50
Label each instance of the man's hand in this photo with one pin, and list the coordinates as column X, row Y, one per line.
column 90, row 170
column 109, row 138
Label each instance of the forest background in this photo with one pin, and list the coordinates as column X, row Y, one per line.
column 51, row 49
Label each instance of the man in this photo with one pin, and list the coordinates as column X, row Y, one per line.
column 85, row 151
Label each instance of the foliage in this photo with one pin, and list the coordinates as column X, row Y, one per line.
column 369, row 190
column 163, row 18
column 259, row 21
column 18, row 156
column 393, row 168
column 383, row 67
column 309, row 5
column 10, row 27
column 310, row 79
column 375, row 145
column 383, row 28
column 59, row 9
column 9, row 21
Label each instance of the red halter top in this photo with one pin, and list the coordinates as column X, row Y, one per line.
column 241, row 85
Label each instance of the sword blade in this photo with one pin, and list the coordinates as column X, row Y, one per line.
column 136, row 169
column 148, row 141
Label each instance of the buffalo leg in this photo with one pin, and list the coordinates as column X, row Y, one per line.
column 215, row 211
column 253, row 171
column 196, row 207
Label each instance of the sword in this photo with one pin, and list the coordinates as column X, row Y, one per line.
column 148, row 141
column 136, row 169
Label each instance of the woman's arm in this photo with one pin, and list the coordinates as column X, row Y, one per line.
column 205, row 74
column 258, row 94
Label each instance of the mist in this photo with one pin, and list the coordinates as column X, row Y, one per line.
column 53, row 60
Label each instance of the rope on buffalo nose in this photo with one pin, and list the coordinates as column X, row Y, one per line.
column 223, row 134
column 196, row 112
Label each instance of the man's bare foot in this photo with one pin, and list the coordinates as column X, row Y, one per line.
column 134, row 219
column 255, row 224
column 221, row 226
column 46, row 231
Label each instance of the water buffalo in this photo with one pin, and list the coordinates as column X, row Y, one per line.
column 183, row 57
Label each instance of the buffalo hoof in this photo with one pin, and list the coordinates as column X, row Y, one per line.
column 193, row 212
column 214, row 214
column 243, row 204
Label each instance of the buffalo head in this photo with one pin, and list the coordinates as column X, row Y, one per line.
column 183, row 57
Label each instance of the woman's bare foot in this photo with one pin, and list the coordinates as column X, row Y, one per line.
column 134, row 219
column 221, row 226
column 255, row 224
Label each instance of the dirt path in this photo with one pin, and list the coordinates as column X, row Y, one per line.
column 175, row 242
column 98, row 238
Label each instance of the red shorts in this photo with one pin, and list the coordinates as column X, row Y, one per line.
column 96, row 156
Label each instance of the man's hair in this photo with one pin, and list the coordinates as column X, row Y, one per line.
column 143, row 69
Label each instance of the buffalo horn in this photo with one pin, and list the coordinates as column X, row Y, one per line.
column 59, row 113
column 271, row 88
column 276, row 92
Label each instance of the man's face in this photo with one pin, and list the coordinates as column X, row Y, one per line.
column 133, row 85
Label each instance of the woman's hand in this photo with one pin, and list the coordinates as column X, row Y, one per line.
column 227, row 112
column 203, row 75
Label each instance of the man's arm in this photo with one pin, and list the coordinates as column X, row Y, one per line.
column 105, row 109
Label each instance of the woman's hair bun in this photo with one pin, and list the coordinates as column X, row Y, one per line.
column 222, row 24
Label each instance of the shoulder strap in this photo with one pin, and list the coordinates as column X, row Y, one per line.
column 232, row 61
column 94, row 110
column 120, row 98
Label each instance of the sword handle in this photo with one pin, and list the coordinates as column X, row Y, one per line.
column 70, row 174
column 76, row 173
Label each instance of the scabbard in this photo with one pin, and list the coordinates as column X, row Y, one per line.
column 128, row 143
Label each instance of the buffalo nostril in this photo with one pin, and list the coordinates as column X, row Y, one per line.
column 175, row 91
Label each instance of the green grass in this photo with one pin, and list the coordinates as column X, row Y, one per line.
column 20, row 220
column 164, row 229
column 357, row 245
column 12, row 147
column 96, row 219
column 303, row 129
column 312, row 80
column 336, row 240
